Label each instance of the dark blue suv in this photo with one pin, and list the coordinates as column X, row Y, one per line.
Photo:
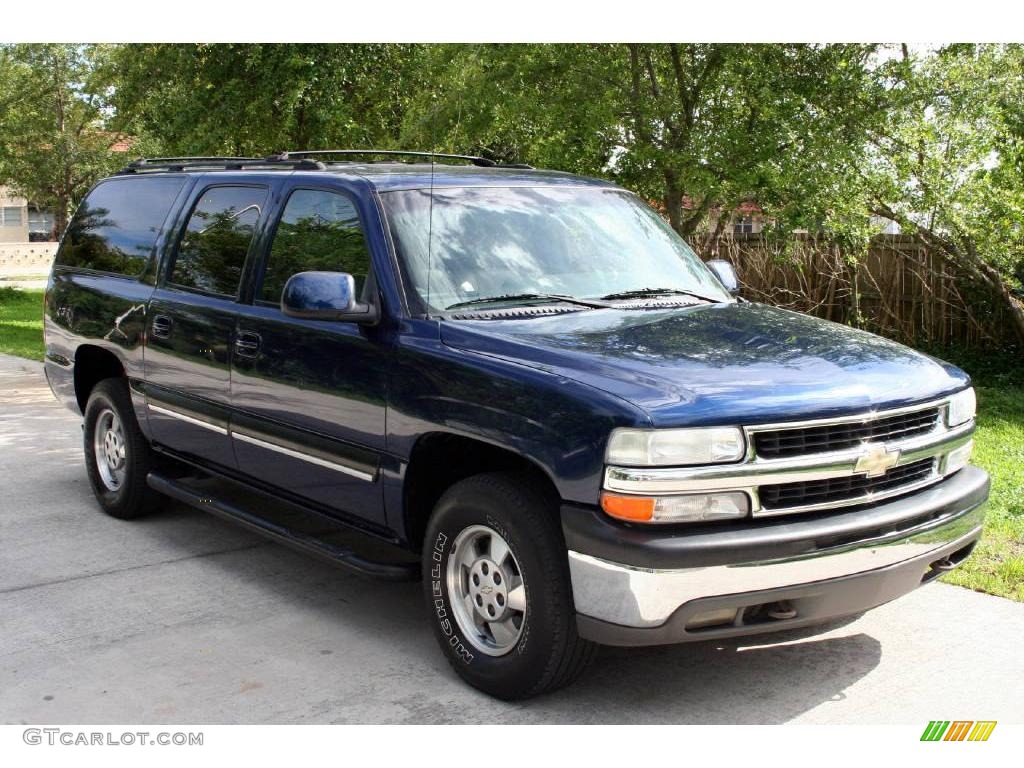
column 519, row 385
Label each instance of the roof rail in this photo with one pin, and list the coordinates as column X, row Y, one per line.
column 299, row 161
column 170, row 164
column 481, row 162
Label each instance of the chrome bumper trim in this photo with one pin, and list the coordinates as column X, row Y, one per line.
column 641, row 598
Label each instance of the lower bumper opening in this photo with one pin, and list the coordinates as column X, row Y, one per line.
column 948, row 563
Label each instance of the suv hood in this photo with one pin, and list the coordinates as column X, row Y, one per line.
column 739, row 363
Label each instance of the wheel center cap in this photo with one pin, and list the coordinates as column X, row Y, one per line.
column 112, row 449
column 488, row 590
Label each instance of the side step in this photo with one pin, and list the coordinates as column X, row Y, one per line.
column 346, row 558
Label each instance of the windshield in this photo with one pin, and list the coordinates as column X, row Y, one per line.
column 583, row 243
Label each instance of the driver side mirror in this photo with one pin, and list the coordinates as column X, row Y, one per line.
column 726, row 275
column 326, row 296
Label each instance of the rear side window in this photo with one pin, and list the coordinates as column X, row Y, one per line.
column 216, row 241
column 117, row 225
column 319, row 230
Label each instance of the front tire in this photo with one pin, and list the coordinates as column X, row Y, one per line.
column 496, row 581
column 117, row 455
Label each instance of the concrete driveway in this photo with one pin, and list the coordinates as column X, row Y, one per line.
column 182, row 618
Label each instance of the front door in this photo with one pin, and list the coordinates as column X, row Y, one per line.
column 192, row 324
column 309, row 396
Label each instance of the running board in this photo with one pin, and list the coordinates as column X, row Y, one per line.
column 221, row 508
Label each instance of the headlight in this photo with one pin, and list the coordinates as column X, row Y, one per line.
column 962, row 407
column 674, row 447
column 689, row 508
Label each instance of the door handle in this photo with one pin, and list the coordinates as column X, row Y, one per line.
column 247, row 344
column 162, row 326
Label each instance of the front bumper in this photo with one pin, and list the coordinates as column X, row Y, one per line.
column 635, row 586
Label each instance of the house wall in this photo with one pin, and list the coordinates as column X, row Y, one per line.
column 13, row 232
column 711, row 222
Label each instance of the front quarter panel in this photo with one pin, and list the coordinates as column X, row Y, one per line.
column 555, row 422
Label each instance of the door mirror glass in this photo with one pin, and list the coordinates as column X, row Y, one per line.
column 325, row 296
column 726, row 275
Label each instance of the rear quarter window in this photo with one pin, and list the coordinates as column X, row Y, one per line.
column 118, row 223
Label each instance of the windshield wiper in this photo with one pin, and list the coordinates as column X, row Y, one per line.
column 592, row 303
column 642, row 292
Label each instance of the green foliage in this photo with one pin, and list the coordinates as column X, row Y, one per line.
column 947, row 161
column 945, row 150
column 714, row 124
column 253, row 99
column 53, row 120
column 997, row 565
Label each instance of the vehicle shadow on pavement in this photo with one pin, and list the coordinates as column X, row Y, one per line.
column 771, row 679
column 761, row 681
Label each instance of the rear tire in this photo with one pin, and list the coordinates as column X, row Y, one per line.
column 496, row 581
column 117, row 455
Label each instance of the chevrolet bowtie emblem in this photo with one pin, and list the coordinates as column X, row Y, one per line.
column 876, row 460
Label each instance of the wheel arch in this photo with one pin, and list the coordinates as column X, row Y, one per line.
column 93, row 364
column 440, row 459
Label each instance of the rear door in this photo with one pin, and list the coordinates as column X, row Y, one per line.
column 192, row 322
column 309, row 396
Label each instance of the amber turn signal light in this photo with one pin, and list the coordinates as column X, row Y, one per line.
column 632, row 508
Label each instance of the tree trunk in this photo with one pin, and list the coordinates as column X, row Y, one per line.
column 968, row 259
column 60, row 216
column 673, row 201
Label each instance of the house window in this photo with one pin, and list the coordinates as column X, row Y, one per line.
column 743, row 225
column 10, row 216
column 40, row 221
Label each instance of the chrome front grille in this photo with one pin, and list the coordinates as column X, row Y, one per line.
column 782, row 443
column 833, row 490
column 821, row 464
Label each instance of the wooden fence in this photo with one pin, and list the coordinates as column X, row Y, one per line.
column 900, row 290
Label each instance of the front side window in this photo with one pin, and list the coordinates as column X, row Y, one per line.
column 318, row 231
column 118, row 223
column 478, row 242
column 213, row 249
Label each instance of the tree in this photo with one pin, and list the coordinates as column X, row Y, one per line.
column 691, row 126
column 252, row 99
column 947, row 163
column 52, row 120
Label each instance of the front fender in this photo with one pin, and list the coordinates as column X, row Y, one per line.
column 557, row 423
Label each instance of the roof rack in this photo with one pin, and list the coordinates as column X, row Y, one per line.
column 166, row 164
column 299, row 161
column 481, row 162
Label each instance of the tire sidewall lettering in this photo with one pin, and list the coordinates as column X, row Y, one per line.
column 438, row 555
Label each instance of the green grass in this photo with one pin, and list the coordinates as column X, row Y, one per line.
column 21, row 323
column 997, row 565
